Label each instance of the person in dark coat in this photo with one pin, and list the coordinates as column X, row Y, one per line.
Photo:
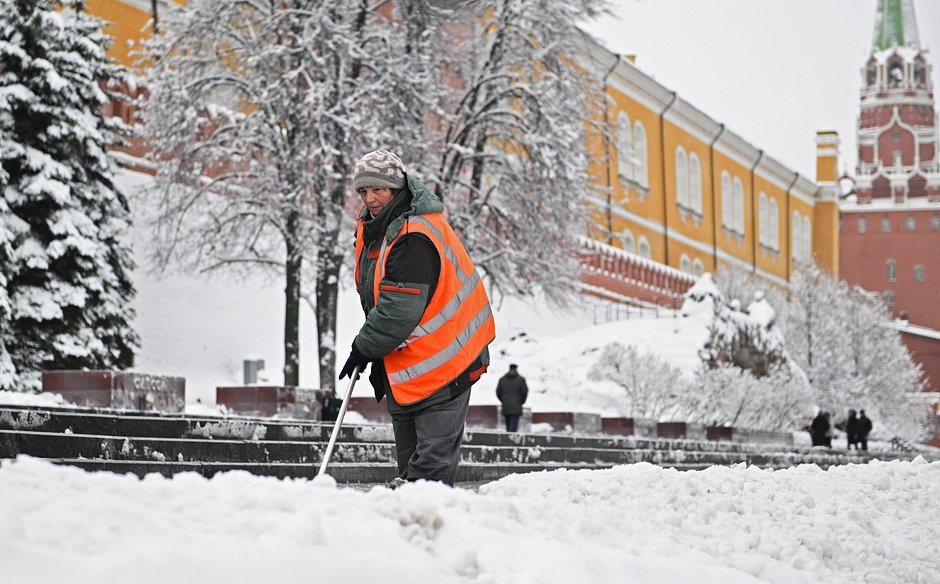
column 819, row 428
column 864, row 429
column 512, row 393
column 851, row 431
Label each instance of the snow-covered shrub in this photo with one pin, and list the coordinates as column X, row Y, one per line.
column 652, row 388
column 729, row 396
column 746, row 339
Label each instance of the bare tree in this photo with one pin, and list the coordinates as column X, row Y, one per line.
column 513, row 168
column 257, row 111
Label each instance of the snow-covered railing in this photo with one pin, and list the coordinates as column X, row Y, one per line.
column 628, row 274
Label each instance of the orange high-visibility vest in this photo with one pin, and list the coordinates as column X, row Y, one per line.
column 456, row 325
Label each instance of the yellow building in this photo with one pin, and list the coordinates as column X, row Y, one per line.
column 681, row 189
column 687, row 192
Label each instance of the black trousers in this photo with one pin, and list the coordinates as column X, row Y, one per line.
column 427, row 442
column 512, row 422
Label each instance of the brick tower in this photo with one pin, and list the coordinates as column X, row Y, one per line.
column 890, row 226
column 897, row 130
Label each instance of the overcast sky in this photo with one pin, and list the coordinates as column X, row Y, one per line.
column 774, row 71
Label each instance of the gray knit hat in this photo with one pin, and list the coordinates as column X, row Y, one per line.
column 379, row 168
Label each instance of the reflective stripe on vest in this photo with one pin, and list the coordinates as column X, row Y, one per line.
column 456, row 325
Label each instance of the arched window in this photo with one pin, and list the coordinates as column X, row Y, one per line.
column 911, row 223
column 935, row 222
column 892, row 271
column 862, row 225
column 641, row 167
column 738, row 206
column 695, row 182
column 919, row 275
column 889, row 297
column 698, row 269
column 644, row 247
column 885, row 224
column 682, row 178
column 624, row 147
column 774, row 225
column 796, row 236
column 685, row 264
column 764, row 220
column 629, row 243
column 727, row 208
column 807, row 240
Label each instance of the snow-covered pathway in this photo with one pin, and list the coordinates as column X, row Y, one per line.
column 876, row 523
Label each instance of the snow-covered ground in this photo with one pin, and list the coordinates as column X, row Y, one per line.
column 876, row 524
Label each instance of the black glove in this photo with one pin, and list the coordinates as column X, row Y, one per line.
column 356, row 359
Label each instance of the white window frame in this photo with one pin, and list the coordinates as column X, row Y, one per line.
column 624, row 147
column 643, row 248
column 892, row 268
column 727, row 206
column 774, row 225
column 640, row 155
column 763, row 214
column 629, row 242
column 807, row 239
column 919, row 274
column 695, row 183
column 698, row 268
column 796, row 229
column 682, row 178
column 738, row 193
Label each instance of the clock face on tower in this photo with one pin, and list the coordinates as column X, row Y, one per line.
column 895, row 74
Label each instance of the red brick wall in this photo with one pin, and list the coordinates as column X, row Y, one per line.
column 863, row 261
column 925, row 352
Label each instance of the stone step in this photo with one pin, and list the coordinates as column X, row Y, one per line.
column 179, row 450
column 136, row 425
column 374, row 473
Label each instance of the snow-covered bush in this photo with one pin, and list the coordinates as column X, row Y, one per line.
column 652, row 388
column 66, row 271
column 729, row 396
column 746, row 339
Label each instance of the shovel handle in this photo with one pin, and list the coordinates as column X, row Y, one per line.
column 339, row 421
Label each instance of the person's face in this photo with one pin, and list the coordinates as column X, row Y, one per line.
column 376, row 198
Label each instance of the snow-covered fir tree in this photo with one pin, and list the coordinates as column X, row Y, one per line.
column 67, row 270
column 257, row 113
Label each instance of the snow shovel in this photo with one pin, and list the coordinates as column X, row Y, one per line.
column 339, row 421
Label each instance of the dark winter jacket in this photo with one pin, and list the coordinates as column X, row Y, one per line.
column 512, row 391
column 820, row 425
column 851, row 428
column 864, row 427
column 413, row 263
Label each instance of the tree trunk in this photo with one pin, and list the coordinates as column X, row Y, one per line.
column 329, row 262
column 293, row 265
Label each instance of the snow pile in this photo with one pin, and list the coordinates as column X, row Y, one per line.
column 636, row 523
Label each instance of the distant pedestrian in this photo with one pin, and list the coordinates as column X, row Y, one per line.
column 851, row 431
column 864, row 429
column 830, row 431
column 818, row 429
column 512, row 392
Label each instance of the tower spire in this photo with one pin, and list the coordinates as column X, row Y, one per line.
column 895, row 25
